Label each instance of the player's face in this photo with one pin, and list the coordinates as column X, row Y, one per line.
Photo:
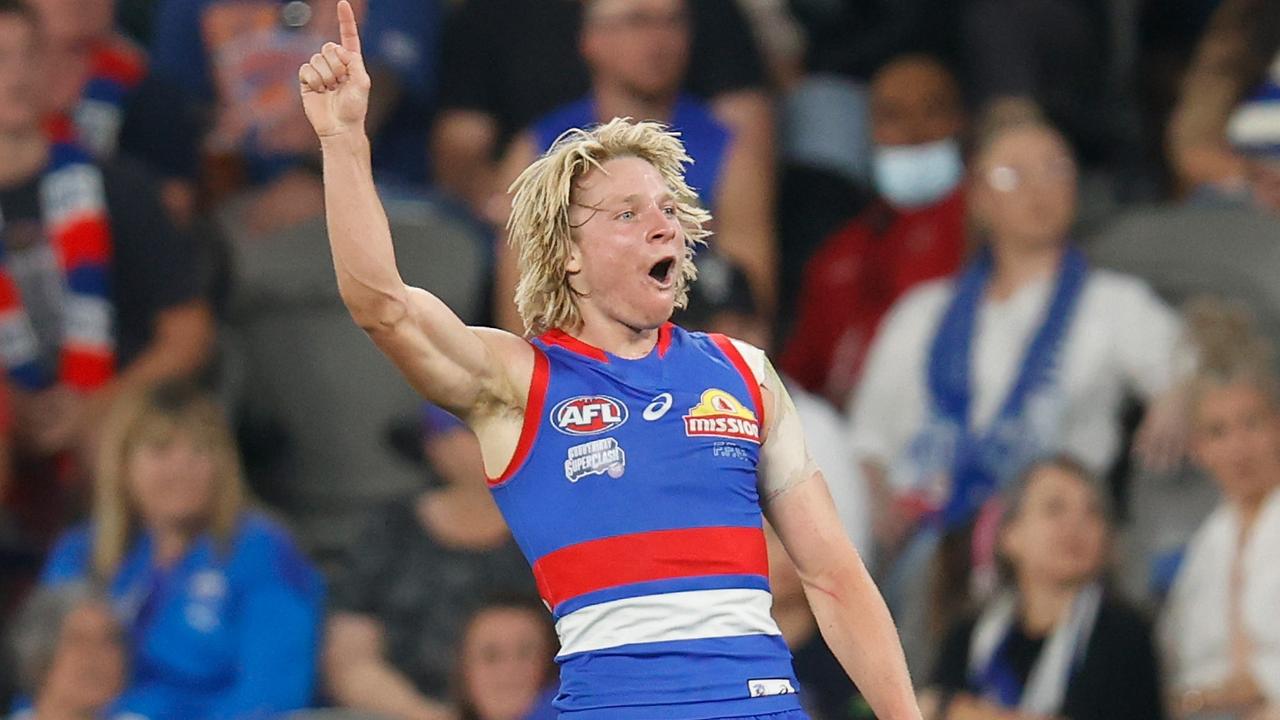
column 628, row 249
column 505, row 654
column 1237, row 439
column 1060, row 533
column 642, row 45
column 1025, row 188
column 88, row 665
column 19, row 108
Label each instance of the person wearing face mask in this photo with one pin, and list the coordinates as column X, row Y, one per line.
column 913, row 232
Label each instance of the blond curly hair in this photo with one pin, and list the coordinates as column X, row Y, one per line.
column 539, row 230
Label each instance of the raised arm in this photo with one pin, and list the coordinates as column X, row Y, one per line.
column 457, row 367
column 846, row 603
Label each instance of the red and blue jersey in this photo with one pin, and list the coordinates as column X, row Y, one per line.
column 633, row 493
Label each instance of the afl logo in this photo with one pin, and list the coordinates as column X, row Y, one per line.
column 588, row 415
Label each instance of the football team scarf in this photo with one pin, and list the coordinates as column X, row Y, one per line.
column 979, row 460
column 991, row 675
column 115, row 70
column 73, row 206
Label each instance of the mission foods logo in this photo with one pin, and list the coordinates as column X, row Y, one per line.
column 588, row 415
column 719, row 414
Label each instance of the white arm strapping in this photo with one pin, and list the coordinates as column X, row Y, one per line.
column 784, row 458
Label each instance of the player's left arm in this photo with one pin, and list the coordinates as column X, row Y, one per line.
column 850, row 612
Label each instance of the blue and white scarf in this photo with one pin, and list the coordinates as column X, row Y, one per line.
column 991, row 674
column 979, row 464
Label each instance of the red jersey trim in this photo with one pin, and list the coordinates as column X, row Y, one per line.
column 642, row 557
column 532, row 417
column 753, row 385
column 573, row 344
column 664, row 339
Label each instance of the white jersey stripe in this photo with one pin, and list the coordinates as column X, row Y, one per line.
column 690, row 615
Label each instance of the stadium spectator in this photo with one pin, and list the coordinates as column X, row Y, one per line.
column 103, row 93
column 499, row 73
column 410, row 580
column 1219, row 630
column 913, row 232
column 825, row 123
column 638, row 52
column 98, row 289
column 505, row 659
column 1028, row 351
column 68, row 654
column 238, row 61
column 223, row 612
column 1223, row 136
column 1052, row 643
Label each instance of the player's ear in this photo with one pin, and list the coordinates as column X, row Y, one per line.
column 573, row 263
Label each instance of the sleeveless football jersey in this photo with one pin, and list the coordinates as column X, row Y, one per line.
column 633, row 495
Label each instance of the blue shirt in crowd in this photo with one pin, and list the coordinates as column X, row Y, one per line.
column 227, row 631
column 705, row 138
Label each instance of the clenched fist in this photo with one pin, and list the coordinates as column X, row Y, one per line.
column 335, row 84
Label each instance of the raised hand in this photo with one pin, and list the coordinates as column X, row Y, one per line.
column 335, row 84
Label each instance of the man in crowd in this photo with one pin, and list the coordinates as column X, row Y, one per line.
column 913, row 232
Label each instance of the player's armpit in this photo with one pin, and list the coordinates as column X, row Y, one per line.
column 785, row 461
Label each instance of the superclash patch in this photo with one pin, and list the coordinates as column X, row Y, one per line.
column 598, row 457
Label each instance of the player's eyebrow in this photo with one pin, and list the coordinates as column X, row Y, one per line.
column 634, row 198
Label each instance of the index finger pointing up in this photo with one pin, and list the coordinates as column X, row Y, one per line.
column 347, row 27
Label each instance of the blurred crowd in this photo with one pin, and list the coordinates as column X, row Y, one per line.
column 1016, row 260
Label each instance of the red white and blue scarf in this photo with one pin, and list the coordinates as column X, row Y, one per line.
column 73, row 205
column 116, row 68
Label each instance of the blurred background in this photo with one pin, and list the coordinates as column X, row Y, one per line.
column 1016, row 259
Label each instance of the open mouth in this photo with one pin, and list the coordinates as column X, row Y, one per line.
column 662, row 271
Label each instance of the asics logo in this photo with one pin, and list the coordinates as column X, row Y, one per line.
column 659, row 407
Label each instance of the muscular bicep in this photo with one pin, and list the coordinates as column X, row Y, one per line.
column 455, row 366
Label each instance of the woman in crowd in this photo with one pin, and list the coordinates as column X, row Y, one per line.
column 222, row 610
column 1028, row 352
column 68, row 653
column 1221, row 628
column 1053, row 643
column 505, row 659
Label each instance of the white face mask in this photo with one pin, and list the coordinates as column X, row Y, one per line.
column 913, row 176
